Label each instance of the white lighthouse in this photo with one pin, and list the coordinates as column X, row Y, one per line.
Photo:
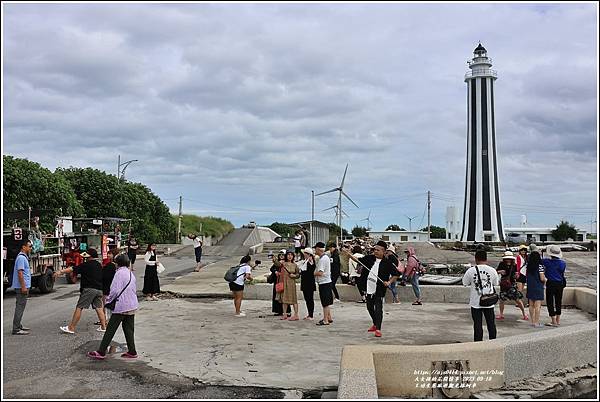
column 482, row 216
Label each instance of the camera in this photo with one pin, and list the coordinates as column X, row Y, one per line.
column 257, row 262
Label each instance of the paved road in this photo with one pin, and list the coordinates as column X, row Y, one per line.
column 50, row 364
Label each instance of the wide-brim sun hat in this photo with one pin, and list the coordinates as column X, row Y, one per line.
column 522, row 247
column 508, row 255
column 554, row 251
column 308, row 250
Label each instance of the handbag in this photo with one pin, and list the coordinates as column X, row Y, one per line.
column 160, row 268
column 111, row 306
column 489, row 299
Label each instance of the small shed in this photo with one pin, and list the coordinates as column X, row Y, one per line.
column 317, row 231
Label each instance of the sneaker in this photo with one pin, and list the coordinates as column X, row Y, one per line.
column 336, row 300
column 242, row 314
column 99, row 329
column 20, row 332
column 372, row 329
column 128, row 355
column 154, row 298
column 25, row 328
column 378, row 333
column 499, row 317
column 95, row 355
column 66, row 330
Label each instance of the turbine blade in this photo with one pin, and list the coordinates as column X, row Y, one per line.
column 327, row 209
column 325, row 192
column 350, row 199
column 344, row 178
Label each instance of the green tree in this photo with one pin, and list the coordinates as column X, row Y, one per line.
column 564, row 231
column 27, row 184
column 334, row 231
column 436, row 232
column 102, row 195
column 359, row 231
column 395, row 227
column 283, row 229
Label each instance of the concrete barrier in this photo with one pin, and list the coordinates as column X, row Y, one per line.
column 368, row 372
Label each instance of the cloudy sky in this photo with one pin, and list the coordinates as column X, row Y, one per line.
column 243, row 109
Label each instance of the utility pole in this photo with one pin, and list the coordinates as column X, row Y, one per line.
column 312, row 217
column 179, row 225
column 428, row 215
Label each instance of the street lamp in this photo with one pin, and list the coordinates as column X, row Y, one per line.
column 121, row 172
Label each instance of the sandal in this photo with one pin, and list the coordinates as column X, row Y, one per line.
column 321, row 323
column 417, row 303
column 499, row 317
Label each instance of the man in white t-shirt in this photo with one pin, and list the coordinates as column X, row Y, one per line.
column 323, row 277
column 489, row 279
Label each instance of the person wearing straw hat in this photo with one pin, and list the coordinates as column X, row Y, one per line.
column 555, row 268
column 507, row 269
column 378, row 273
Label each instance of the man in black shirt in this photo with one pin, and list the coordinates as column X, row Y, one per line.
column 90, row 290
column 336, row 266
column 379, row 273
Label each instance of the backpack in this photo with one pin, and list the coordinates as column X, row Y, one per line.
column 231, row 274
column 420, row 269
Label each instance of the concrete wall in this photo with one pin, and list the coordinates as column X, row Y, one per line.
column 514, row 358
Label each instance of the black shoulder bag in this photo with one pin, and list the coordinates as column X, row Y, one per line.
column 486, row 300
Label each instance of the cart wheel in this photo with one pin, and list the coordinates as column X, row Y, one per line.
column 46, row 282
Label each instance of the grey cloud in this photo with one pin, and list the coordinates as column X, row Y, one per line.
column 221, row 99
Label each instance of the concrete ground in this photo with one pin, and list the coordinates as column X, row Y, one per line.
column 193, row 347
column 261, row 350
column 201, row 339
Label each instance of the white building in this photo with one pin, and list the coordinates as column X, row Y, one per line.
column 533, row 235
column 453, row 228
column 398, row 236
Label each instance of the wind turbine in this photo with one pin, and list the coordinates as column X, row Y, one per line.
column 368, row 219
column 410, row 221
column 335, row 208
column 341, row 192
